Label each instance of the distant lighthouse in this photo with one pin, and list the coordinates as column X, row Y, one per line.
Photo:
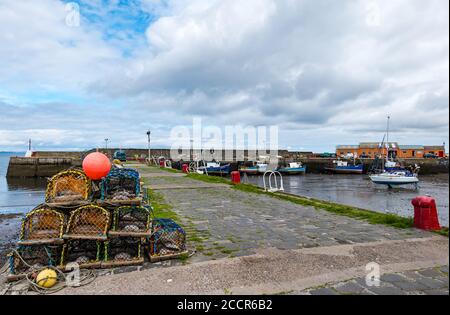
column 29, row 153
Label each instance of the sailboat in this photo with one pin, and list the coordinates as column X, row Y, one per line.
column 394, row 177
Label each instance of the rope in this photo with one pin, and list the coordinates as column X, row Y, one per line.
column 86, row 277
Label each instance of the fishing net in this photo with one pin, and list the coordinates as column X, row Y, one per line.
column 121, row 184
column 31, row 257
column 42, row 224
column 124, row 249
column 131, row 220
column 168, row 238
column 83, row 252
column 68, row 186
column 88, row 222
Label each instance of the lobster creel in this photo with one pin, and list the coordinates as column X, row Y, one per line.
column 70, row 186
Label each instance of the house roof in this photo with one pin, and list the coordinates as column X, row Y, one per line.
column 434, row 147
column 347, row 147
column 375, row 145
column 411, row 147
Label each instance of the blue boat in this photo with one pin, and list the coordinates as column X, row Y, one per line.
column 343, row 167
column 293, row 169
column 215, row 168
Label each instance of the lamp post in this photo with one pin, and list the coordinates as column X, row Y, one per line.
column 106, row 144
column 149, row 133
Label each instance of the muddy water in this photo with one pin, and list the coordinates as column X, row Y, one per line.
column 359, row 191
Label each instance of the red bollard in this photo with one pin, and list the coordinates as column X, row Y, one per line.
column 425, row 214
column 235, row 177
column 185, row 168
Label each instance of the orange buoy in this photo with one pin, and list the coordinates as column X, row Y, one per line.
column 96, row 165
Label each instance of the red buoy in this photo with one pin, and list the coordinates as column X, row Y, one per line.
column 96, row 165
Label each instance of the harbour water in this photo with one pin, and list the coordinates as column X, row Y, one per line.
column 359, row 191
column 18, row 195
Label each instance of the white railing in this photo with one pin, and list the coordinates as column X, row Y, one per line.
column 275, row 181
column 195, row 167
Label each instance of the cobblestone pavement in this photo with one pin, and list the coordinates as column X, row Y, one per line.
column 225, row 222
column 432, row 281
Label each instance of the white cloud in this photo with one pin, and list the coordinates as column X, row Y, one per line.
column 39, row 51
column 324, row 70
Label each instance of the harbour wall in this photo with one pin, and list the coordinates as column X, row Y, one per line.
column 39, row 167
column 48, row 163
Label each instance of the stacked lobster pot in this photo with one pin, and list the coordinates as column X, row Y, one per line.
column 42, row 239
column 103, row 224
column 86, row 237
column 131, row 218
column 40, row 243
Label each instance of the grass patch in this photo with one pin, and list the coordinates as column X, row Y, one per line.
column 195, row 239
column 231, row 239
column 183, row 257
column 200, row 248
column 227, row 251
column 443, row 231
column 160, row 208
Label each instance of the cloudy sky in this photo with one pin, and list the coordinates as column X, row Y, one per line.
column 326, row 72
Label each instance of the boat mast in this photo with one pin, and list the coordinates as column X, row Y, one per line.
column 387, row 139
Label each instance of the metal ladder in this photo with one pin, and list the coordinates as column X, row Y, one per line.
column 273, row 178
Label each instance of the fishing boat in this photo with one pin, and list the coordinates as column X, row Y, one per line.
column 214, row 168
column 294, row 168
column 345, row 167
column 257, row 168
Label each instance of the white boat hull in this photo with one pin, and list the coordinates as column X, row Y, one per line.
column 393, row 180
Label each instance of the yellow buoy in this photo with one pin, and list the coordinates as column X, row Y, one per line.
column 47, row 278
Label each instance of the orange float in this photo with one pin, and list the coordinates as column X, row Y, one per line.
column 96, row 165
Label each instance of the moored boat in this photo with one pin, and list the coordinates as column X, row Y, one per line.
column 397, row 178
column 344, row 167
column 294, row 168
column 257, row 168
column 214, row 168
